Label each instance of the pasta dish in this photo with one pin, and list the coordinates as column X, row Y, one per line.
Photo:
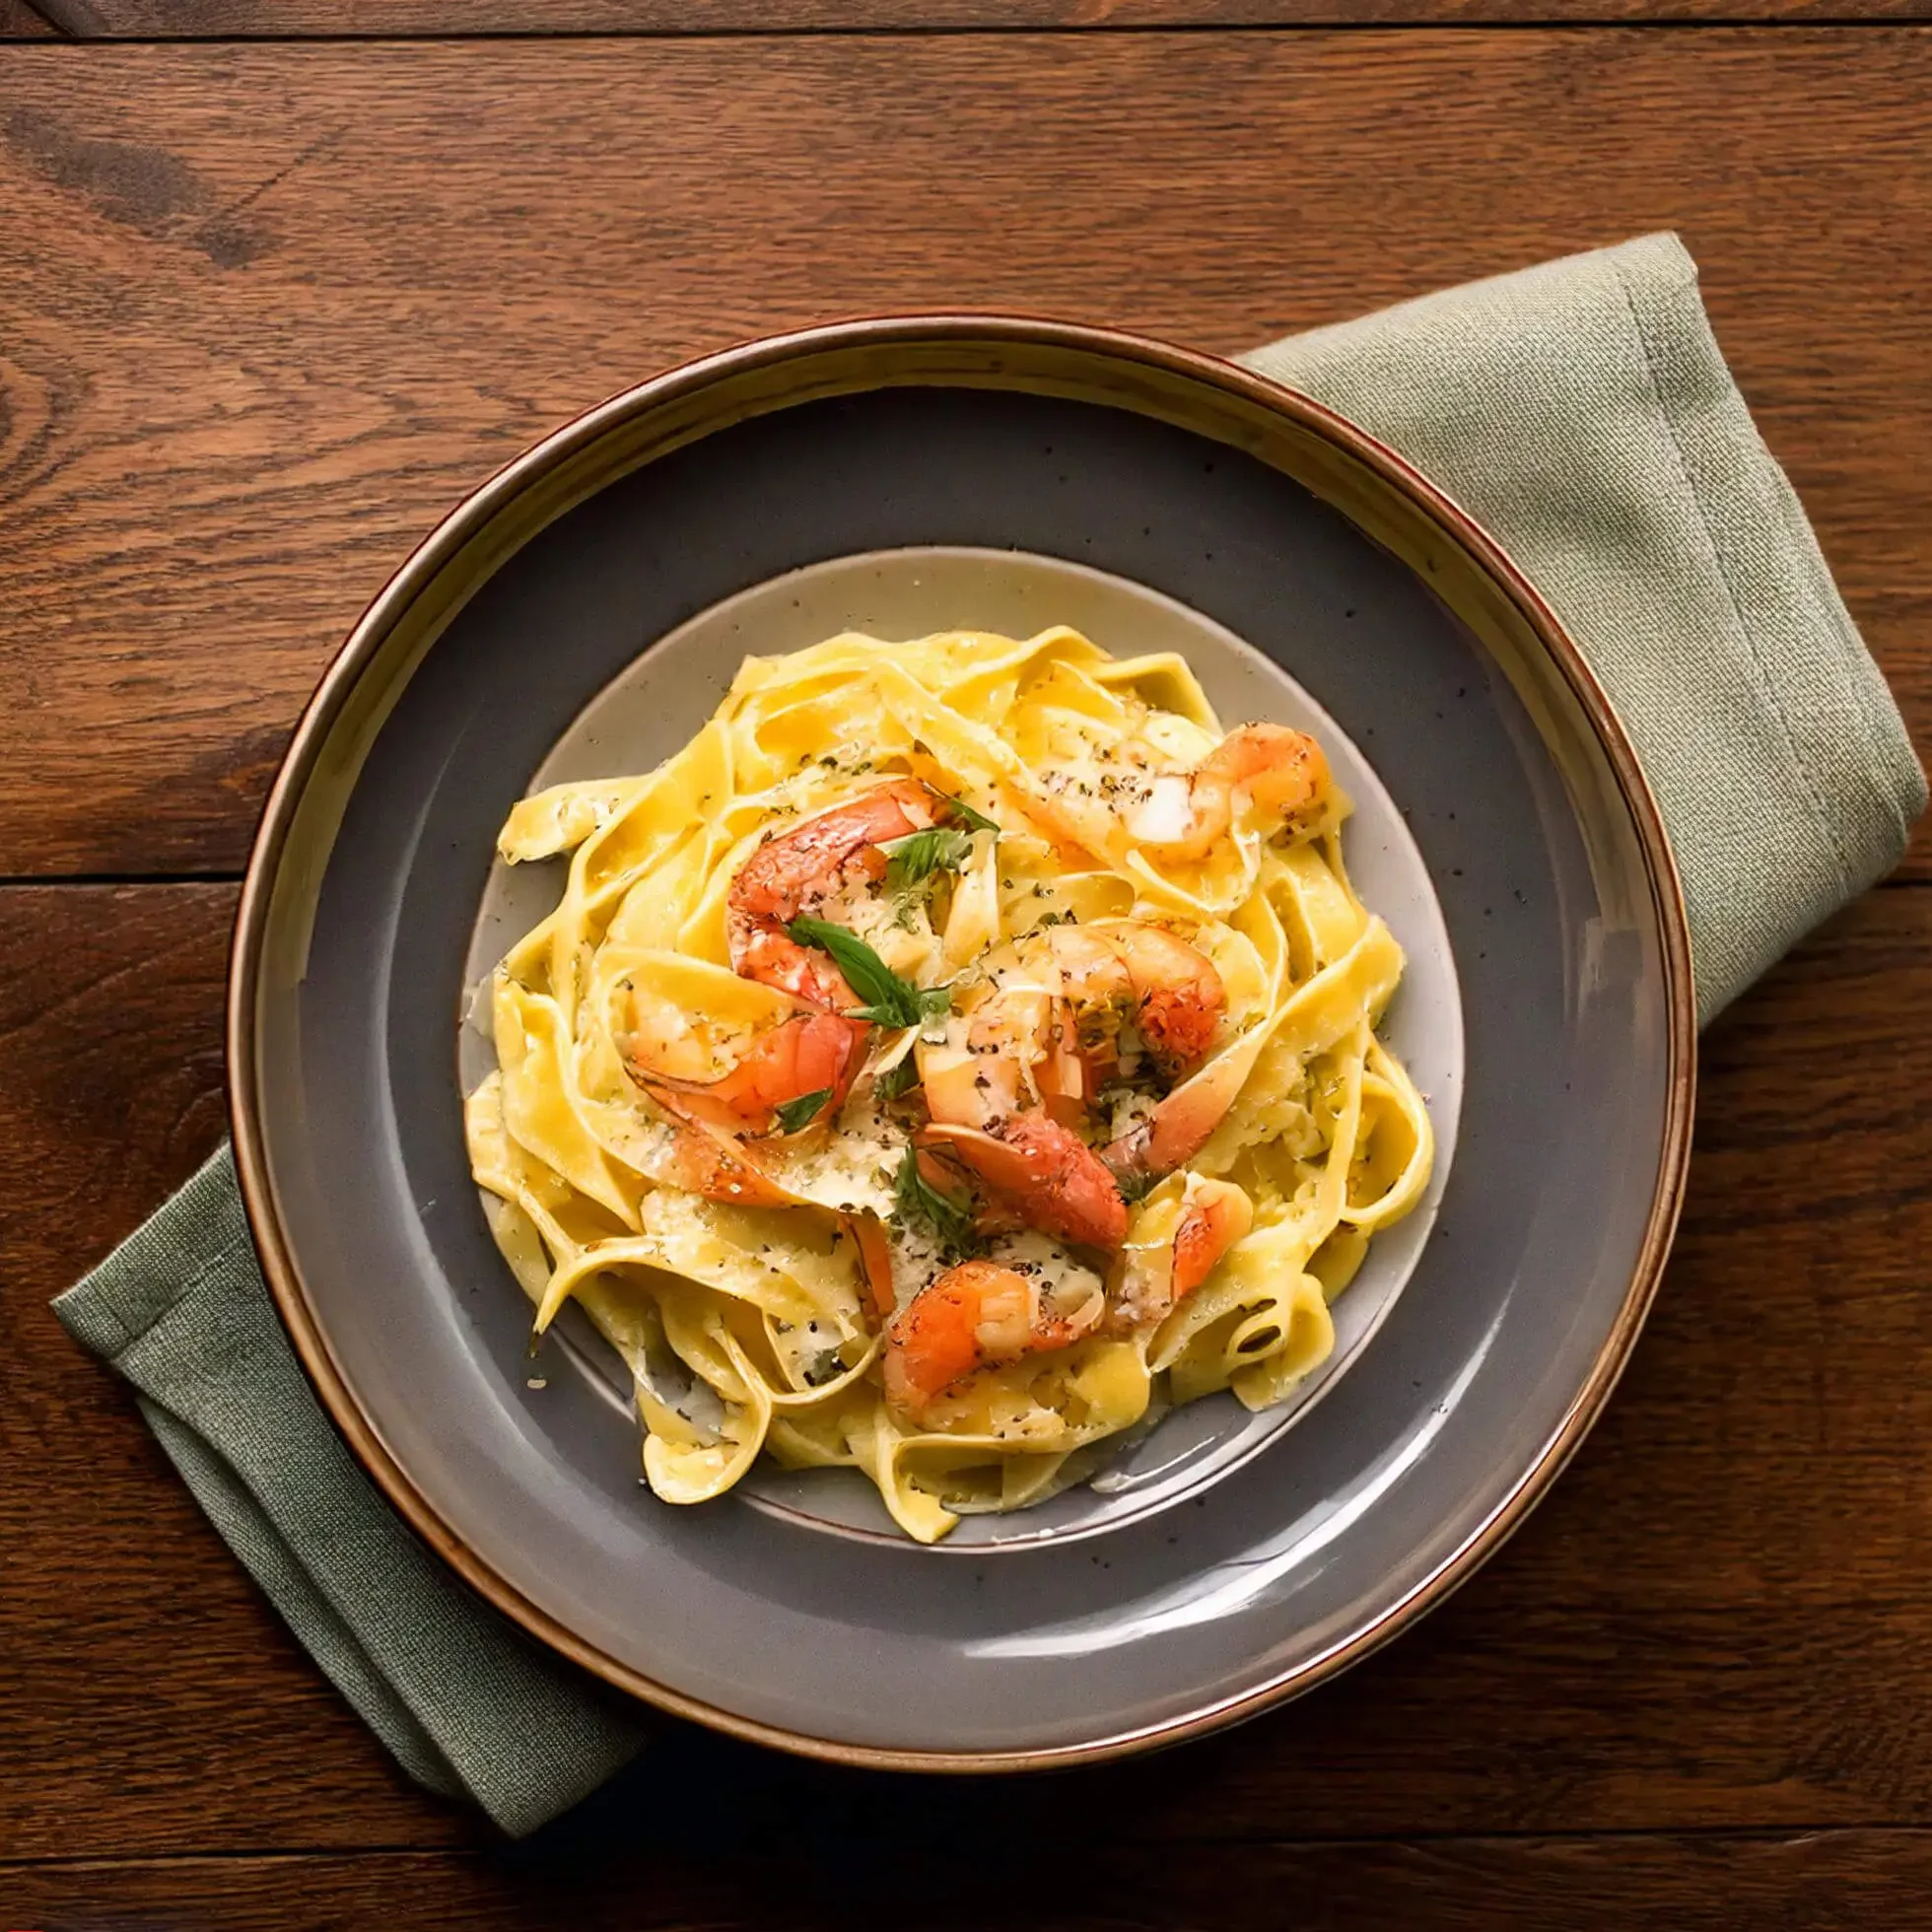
column 957, row 1055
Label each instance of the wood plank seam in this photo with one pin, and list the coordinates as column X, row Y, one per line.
column 78, row 26
column 230, row 876
column 1704, row 1834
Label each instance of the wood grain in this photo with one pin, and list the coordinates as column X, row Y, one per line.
column 449, row 18
column 1721, row 1619
column 267, row 311
column 1828, row 1882
column 143, row 1677
column 19, row 21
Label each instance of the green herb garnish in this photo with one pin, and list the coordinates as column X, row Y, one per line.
column 897, row 1079
column 889, row 999
column 917, row 1199
column 914, row 860
column 795, row 1114
column 1135, row 1186
column 974, row 821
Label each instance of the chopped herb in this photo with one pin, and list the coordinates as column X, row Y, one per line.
column 795, row 1114
column 889, row 999
column 897, row 1081
column 916, row 1198
column 1135, row 1186
column 974, row 821
column 914, row 860
column 927, row 1003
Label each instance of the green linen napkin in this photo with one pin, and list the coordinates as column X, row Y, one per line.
column 1583, row 412
column 467, row 1703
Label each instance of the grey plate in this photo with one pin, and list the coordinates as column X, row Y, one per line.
column 656, row 703
column 1244, row 503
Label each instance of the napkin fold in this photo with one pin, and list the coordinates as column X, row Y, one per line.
column 469, row 1705
column 1581, row 411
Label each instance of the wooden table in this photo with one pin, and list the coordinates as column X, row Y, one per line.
column 281, row 279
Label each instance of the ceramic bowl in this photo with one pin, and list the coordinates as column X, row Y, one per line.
column 582, row 612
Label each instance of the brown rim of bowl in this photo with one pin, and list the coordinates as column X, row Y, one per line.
column 470, row 517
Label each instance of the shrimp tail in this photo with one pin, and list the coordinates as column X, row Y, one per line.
column 874, row 1262
column 811, row 1053
column 1044, row 1172
column 699, row 1160
column 1179, row 1126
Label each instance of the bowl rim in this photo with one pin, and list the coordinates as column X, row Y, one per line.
column 470, row 518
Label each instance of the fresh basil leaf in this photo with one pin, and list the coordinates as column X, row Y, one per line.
column 795, row 1114
column 925, row 1005
column 888, row 1000
column 912, row 860
column 865, row 971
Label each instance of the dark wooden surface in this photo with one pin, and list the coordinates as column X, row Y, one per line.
column 266, row 311
column 19, row 21
column 456, row 19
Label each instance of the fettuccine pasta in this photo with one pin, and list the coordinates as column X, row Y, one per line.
column 960, row 1052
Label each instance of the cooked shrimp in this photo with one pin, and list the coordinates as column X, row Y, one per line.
column 1216, row 1214
column 789, row 875
column 1095, row 994
column 1282, row 770
column 815, row 1052
column 988, row 1068
column 1047, row 1037
column 1181, row 1122
column 1044, row 1172
column 1036, row 1052
column 1173, row 1248
column 692, row 1156
column 1171, row 988
column 974, row 1316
